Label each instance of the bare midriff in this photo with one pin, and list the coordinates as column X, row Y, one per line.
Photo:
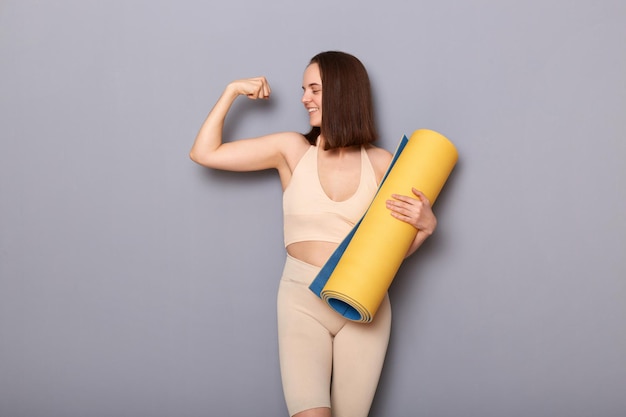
column 312, row 252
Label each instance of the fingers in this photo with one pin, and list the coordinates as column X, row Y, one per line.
column 415, row 211
column 264, row 90
column 400, row 210
column 403, row 206
column 260, row 88
column 421, row 198
column 253, row 88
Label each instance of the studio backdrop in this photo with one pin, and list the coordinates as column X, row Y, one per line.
column 134, row 282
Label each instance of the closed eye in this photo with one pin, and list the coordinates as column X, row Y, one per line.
column 315, row 87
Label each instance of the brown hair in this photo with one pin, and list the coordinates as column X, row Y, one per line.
column 347, row 108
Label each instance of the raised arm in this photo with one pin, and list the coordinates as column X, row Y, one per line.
column 243, row 155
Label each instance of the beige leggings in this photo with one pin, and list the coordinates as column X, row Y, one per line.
column 317, row 344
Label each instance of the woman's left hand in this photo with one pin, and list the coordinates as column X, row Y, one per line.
column 414, row 211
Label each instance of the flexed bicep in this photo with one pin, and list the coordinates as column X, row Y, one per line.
column 254, row 154
column 245, row 155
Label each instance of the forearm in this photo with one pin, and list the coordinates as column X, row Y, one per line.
column 417, row 242
column 209, row 136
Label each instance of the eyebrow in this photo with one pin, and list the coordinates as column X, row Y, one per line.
column 312, row 85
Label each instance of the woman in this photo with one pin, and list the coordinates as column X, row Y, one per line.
column 329, row 176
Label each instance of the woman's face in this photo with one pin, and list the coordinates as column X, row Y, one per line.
column 312, row 94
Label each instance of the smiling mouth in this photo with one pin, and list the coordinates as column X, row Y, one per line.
column 312, row 109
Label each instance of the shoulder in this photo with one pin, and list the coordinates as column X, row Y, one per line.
column 292, row 145
column 294, row 138
column 380, row 159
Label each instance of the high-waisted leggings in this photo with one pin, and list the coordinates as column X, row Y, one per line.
column 317, row 345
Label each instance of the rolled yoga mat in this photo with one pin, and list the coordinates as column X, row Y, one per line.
column 358, row 274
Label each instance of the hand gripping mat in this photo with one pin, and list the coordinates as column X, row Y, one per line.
column 358, row 274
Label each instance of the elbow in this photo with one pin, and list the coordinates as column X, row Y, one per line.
column 199, row 158
column 193, row 156
column 206, row 159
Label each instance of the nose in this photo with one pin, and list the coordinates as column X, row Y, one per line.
column 305, row 97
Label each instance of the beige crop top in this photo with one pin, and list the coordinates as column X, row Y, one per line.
column 309, row 214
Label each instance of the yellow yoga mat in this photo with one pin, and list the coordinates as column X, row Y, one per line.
column 358, row 274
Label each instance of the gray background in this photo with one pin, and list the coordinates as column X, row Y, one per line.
column 136, row 283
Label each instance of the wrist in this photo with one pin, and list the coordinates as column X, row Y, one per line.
column 231, row 91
